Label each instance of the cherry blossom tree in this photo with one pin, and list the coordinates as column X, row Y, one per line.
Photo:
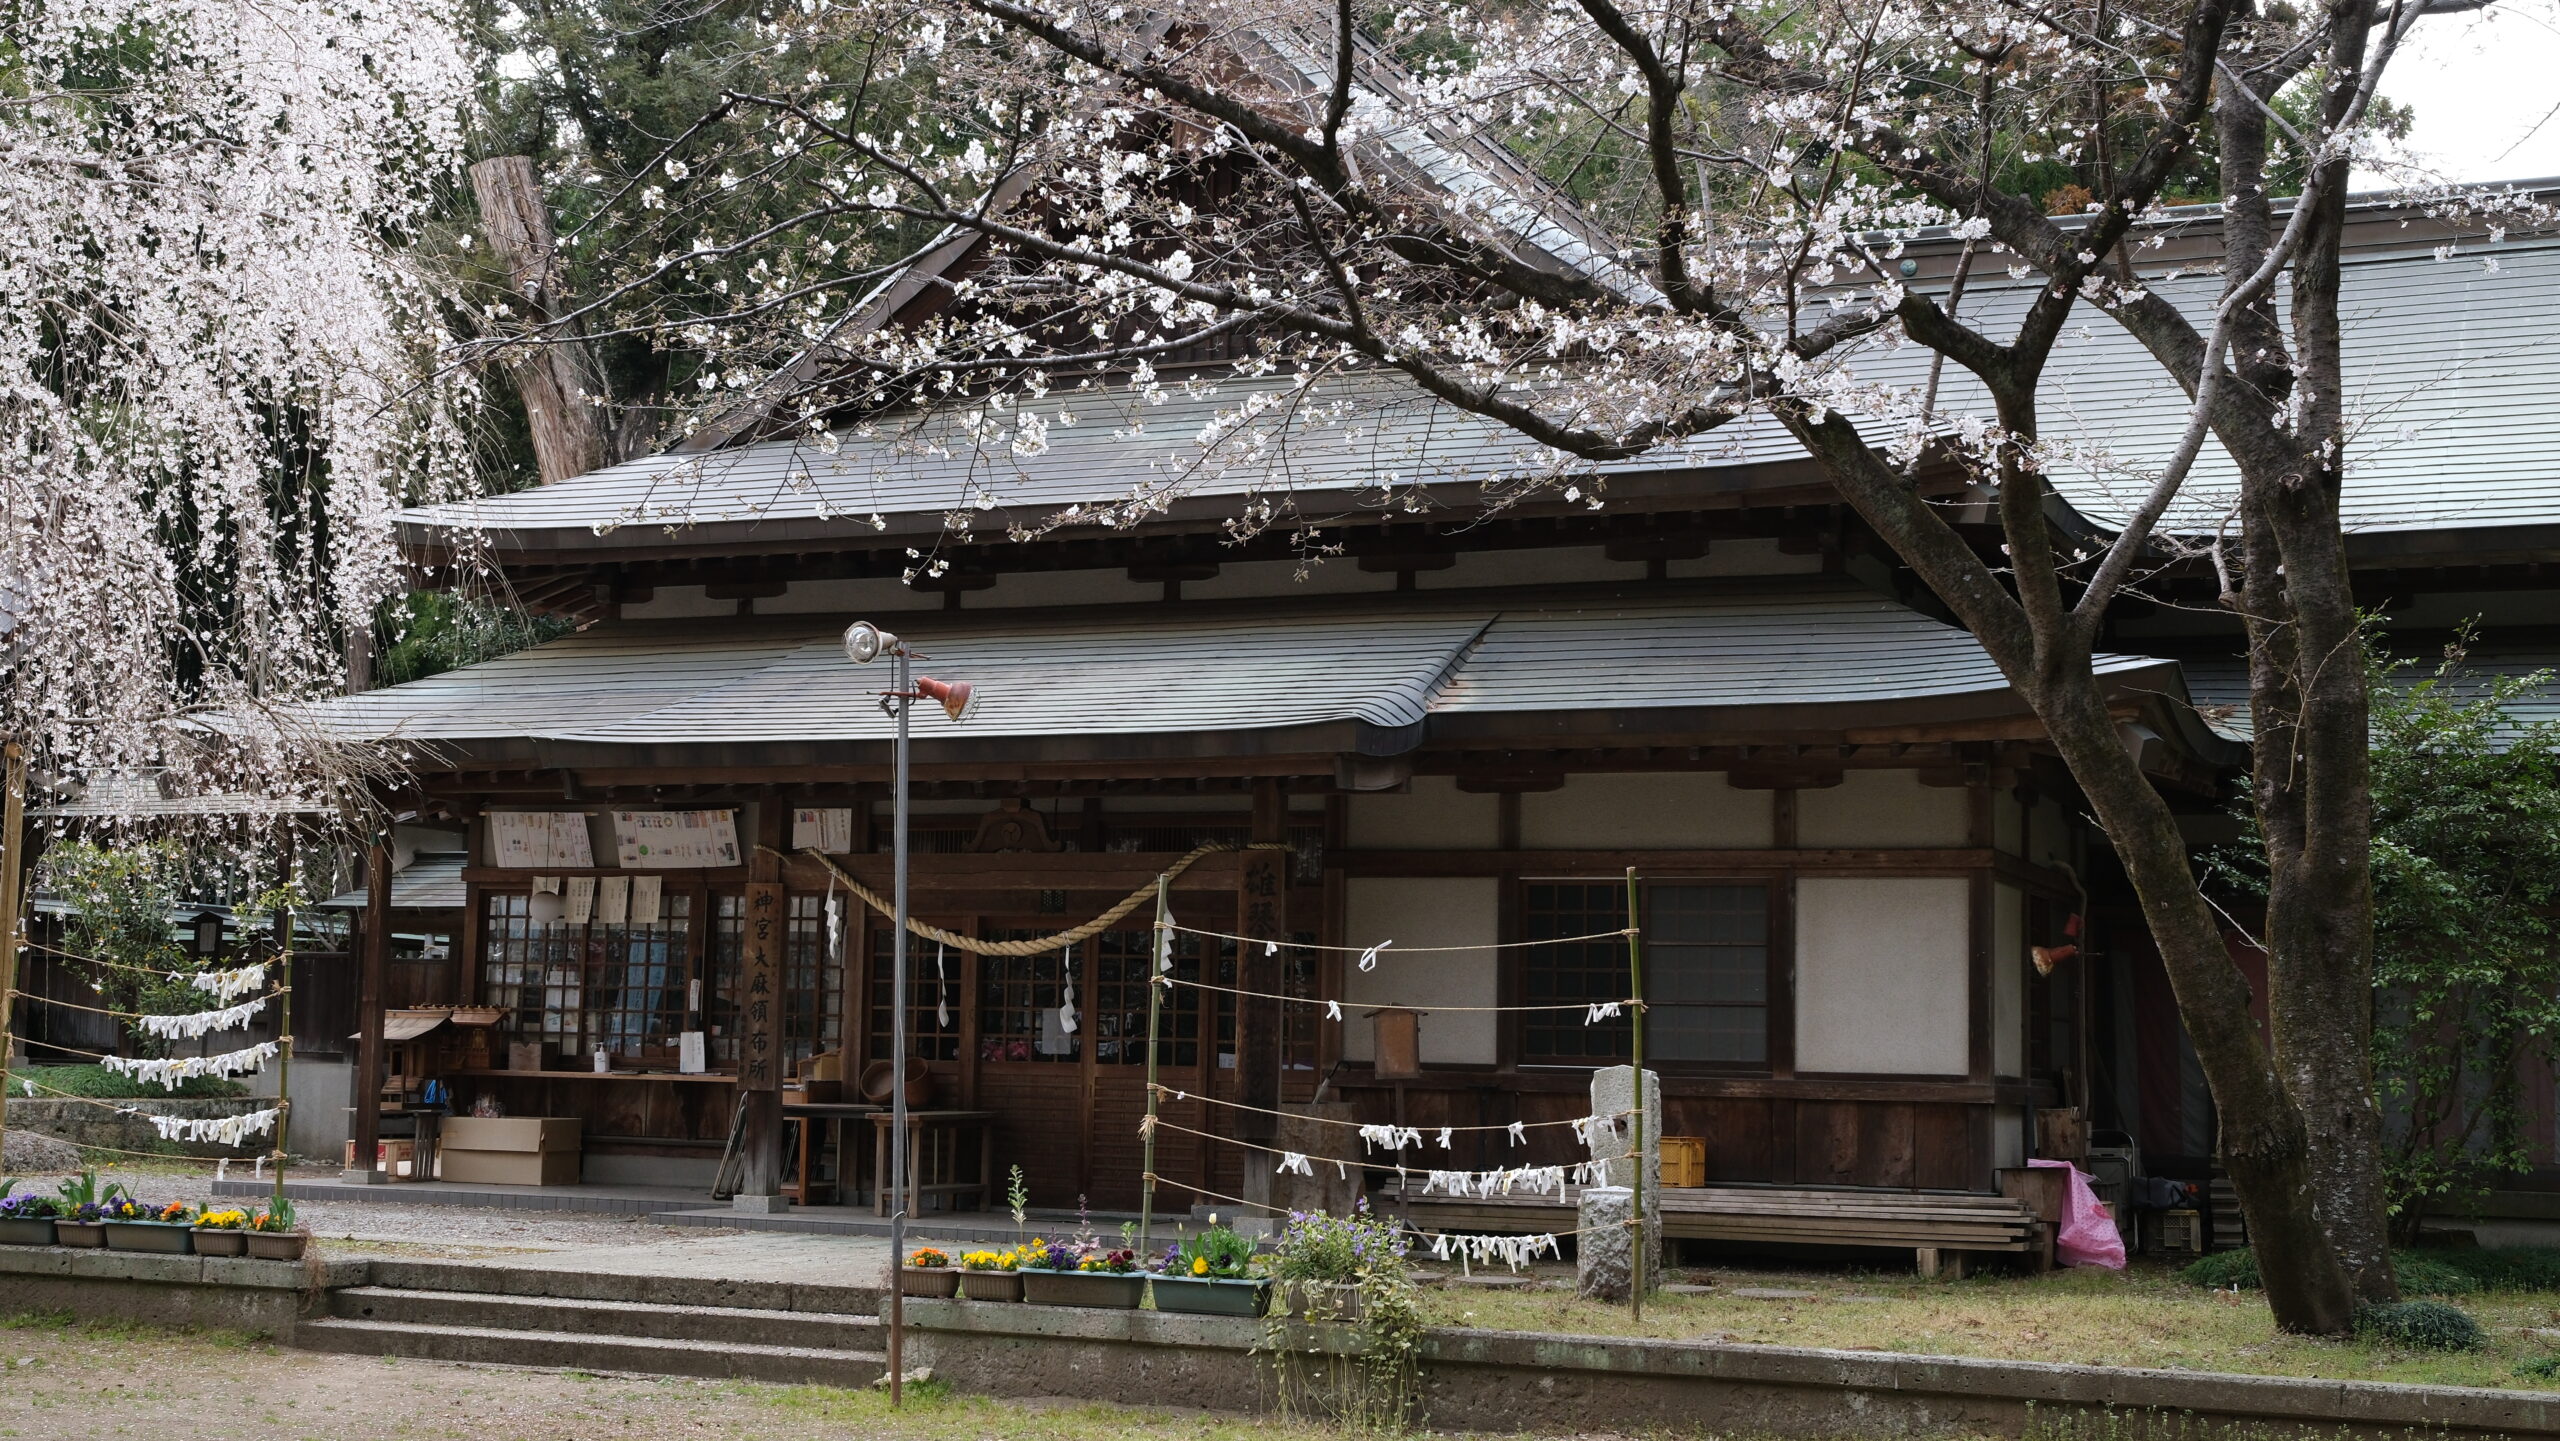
column 1620, row 225
column 221, row 371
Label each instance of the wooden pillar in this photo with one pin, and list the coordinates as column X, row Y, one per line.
column 364, row 1127
column 1262, row 916
column 760, row 1050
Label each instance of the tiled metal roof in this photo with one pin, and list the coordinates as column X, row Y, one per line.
column 429, row 883
column 1092, row 448
column 2219, row 684
column 1392, row 667
column 2448, row 370
column 2450, row 375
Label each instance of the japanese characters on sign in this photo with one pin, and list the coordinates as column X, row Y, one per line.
column 760, row 1058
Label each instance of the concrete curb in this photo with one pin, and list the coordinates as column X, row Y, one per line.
column 1512, row 1381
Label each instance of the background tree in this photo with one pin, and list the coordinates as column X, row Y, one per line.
column 1336, row 188
column 2466, row 867
column 221, row 371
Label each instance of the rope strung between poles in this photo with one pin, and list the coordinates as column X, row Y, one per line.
column 1386, row 946
column 1037, row 945
column 131, row 1015
column 1578, row 1122
column 1498, row 1181
column 199, row 1130
column 1515, row 1250
column 1612, row 1007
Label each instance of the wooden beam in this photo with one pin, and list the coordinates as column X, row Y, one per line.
column 364, row 1128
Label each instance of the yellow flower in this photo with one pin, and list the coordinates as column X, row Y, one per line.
column 1200, row 1266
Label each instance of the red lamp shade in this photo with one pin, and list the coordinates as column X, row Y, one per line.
column 957, row 701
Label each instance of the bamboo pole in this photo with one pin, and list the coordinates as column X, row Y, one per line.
column 1163, row 962
column 13, row 842
column 1638, row 1272
column 286, row 894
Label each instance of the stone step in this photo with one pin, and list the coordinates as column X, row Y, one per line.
column 569, row 1351
column 633, row 1319
column 527, row 1276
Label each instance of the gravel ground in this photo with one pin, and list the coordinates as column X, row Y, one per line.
column 76, row 1383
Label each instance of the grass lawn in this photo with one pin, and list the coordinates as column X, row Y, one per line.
column 2144, row 1316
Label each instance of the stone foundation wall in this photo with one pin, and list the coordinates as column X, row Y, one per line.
column 84, row 1123
column 1504, row 1381
column 227, row 1292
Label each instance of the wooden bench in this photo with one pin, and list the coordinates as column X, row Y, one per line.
column 1940, row 1228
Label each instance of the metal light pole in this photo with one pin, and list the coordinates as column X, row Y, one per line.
column 864, row 643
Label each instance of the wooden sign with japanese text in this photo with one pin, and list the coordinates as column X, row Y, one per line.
column 760, row 1059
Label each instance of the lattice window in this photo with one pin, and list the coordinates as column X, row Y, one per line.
column 1578, row 974
column 575, row 988
column 1298, row 1024
column 1122, row 967
column 928, row 1035
column 813, row 981
column 1706, row 950
column 1018, row 1001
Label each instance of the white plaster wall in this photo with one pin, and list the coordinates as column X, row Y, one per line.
column 1339, row 576
column 1870, row 809
column 1062, row 587
column 852, row 597
column 677, row 602
column 1562, row 565
column 2008, row 823
column 1432, row 815
column 2050, row 834
column 1695, row 810
column 1424, row 912
column 2008, row 981
column 2008, row 1136
column 1880, row 974
column 1744, row 557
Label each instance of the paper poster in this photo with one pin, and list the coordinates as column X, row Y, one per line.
column 829, row 830
column 613, row 900
column 665, row 840
column 581, row 900
column 535, row 840
column 644, row 905
column 689, row 1053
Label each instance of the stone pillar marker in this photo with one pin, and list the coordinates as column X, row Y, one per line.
column 1602, row 1266
column 1613, row 1093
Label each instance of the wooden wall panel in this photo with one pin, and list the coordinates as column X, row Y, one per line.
column 1039, row 1127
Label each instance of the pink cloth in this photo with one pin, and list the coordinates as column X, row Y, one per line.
column 2087, row 1236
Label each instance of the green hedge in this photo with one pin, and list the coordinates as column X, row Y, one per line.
column 100, row 1084
column 2446, row 1271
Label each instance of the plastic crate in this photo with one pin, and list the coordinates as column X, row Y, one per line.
column 1684, row 1161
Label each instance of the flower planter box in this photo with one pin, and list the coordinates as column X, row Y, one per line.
column 160, row 1237
column 1083, row 1288
column 212, row 1241
column 24, row 1231
column 1319, row 1301
column 927, row 1280
column 79, row 1233
column 1203, row 1296
column 277, row 1245
column 991, row 1285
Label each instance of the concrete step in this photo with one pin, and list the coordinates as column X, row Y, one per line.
column 527, row 1276
column 570, row 1351
column 632, row 1319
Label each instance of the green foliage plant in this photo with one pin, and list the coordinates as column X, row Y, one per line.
column 2466, row 944
column 122, row 903
column 1379, row 1387
column 2421, row 1325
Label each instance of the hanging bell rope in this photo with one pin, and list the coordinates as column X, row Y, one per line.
column 1037, row 945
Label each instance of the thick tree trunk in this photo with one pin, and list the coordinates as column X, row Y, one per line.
column 2266, row 1136
column 556, row 376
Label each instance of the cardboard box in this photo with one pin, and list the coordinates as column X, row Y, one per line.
column 510, row 1150
column 509, row 1168
column 397, row 1159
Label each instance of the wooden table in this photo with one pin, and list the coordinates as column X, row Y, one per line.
column 934, row 1141
column 831, row 1114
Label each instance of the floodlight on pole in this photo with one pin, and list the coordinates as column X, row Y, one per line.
column 863, row 644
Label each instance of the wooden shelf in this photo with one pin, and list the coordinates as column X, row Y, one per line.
column 710, row 1077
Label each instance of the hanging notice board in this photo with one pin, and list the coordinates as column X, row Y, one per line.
column 666, row 840
column 539, row 840
column 760, row 991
